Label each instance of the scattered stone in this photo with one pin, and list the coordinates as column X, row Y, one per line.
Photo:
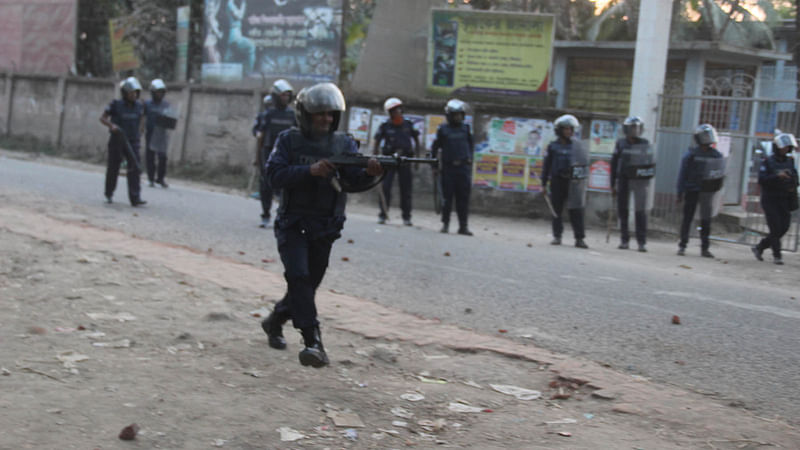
column 218, row 316
column 129, row 433
column 676, row 320
column 36, row 330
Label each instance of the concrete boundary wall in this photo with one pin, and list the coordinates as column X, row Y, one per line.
column 214, row 128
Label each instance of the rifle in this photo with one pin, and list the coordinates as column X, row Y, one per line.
column 359, row 160
column 129, row 150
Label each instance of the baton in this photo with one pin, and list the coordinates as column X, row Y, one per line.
column 129, row 150
column 549, row 205
column 610, row 221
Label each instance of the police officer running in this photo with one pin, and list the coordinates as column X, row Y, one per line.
column 567, row 164
column 397, row 135
column 699, row 180
column 778, row 179
column 311, row 213
column 156, row 137
column 454, row 139
column 268, row 125
column 632, row 171
column 123, row 117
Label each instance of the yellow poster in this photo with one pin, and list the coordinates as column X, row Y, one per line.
column 512, row 173
column 487, row 170
column 489, row 52
column 534, row 181
column 123, row 56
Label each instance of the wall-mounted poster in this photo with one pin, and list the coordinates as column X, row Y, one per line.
column 358, row 124
column 534, row 181
column 487, row 170
column 512, row 173
column 489, row 52
column 600, row 176
column 603, row 136
column 514, row 135
column 257, row 39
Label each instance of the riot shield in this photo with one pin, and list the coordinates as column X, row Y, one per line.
column 712, row 176
column 637, row 165
column 579, row 176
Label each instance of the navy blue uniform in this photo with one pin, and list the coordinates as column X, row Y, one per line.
column 776, row 199
column 127, row 116
column 625, row 183
column 558, row 169
column 310, row 217
column 691, row 187
column 155, row 141
column 270, row 123
column 456, row 145
column 397, row 139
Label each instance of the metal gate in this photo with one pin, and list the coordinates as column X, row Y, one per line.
column 746, row 126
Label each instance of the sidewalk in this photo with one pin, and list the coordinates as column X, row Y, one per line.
column 101, row 329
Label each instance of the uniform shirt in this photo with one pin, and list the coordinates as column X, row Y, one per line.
column 270, row 123
column 771, row 184
column 297, row 183
column 127, row 116
column 557, row 160
column 622, row 145
column 396, row 138
column 690, row 176
column 455, row 142
column 156, row 137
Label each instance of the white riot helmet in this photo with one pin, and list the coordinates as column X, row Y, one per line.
column 130, row 84
column 566, row 121
column 705, row 134
column 391, row 103
column 279, row 87
column 785, row 140
column 322, row 97
column 158, row 85
column 453, row 107
column 633, row 126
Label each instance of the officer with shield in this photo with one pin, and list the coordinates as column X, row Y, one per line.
column 311, row 212
column 778, row 179
column 566, row 163
column 700, row 179
column 156, row 137
column 123, row 117
column 398, row 136
column 632, row 171
column 454, row 139
column 276, row 117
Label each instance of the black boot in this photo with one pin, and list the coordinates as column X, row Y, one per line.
column 314, row 353
column 273, row 326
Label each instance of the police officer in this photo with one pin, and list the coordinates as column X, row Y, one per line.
column 454, row 139
column 566, row 164
column 276, row 117
column 123, row 117
column 156, row 138
column 397, row 135
column 778, row 179
column 699, row 180
column 632, row 169
column 311, row 212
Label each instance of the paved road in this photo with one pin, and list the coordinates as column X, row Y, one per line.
column 739, row 334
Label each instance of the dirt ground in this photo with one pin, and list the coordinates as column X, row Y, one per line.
column 100, row 330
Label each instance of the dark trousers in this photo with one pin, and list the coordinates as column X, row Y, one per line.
column 265, row 193
column 690, row 200
column 640, row 217
column 559, row 193
column 456, row 182
column 116, row 153
column 779, row 220
column 156, row 165
column 304, row 261
column 404, row 179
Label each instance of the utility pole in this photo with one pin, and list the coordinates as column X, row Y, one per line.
column 650, row 62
